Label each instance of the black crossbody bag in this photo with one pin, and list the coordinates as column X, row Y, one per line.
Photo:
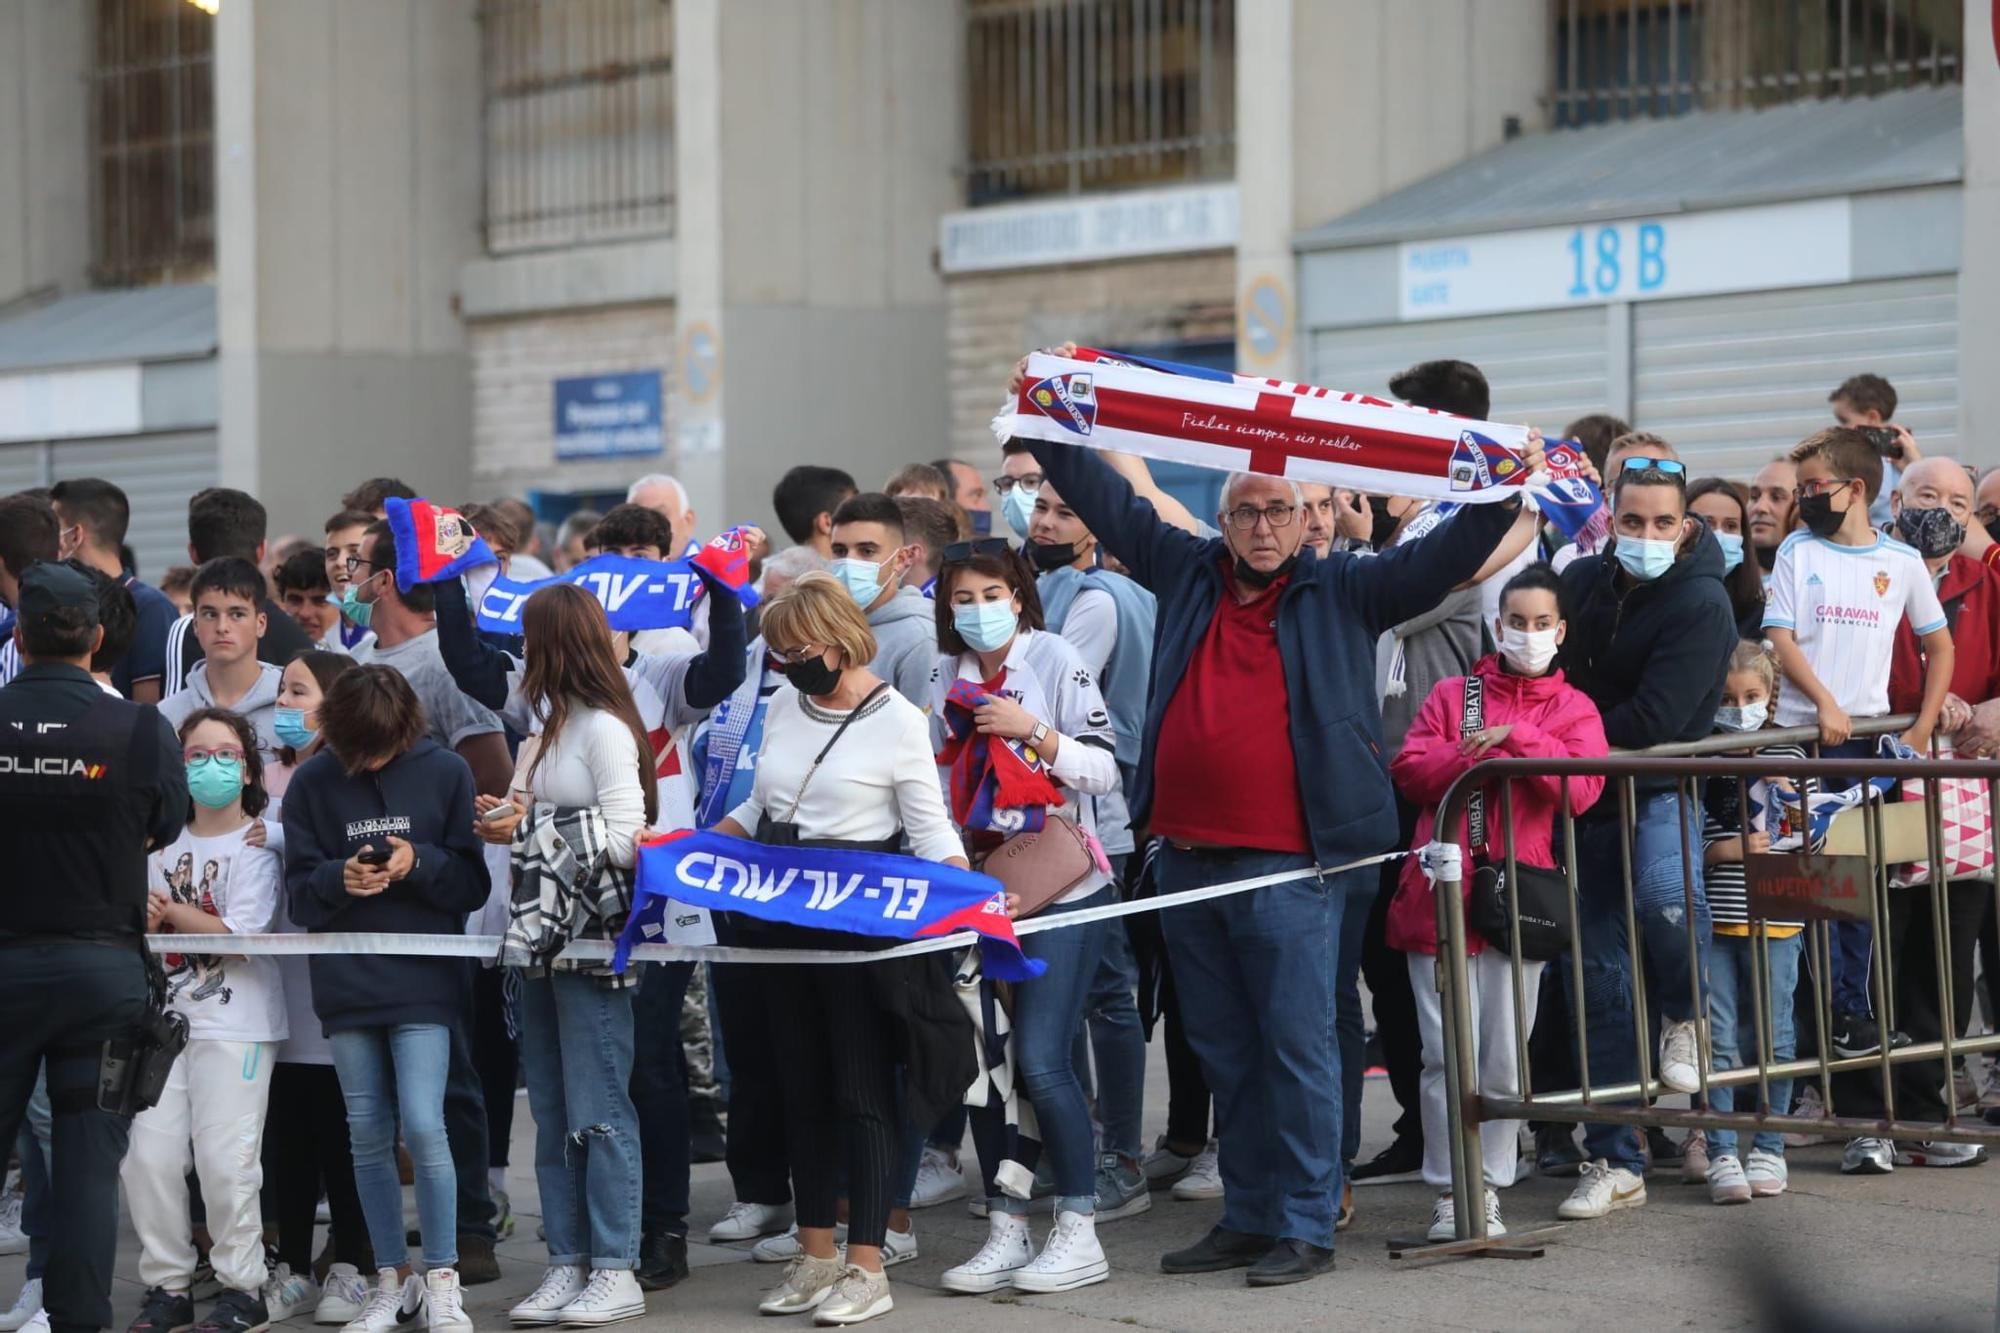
column 1542, row 895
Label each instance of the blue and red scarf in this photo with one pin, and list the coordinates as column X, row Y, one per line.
column 998, row 786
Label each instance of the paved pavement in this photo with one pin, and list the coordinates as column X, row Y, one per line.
column 1915, row 1249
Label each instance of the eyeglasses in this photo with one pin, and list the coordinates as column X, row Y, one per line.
column 355, row 562
column 1244, row 517
column 958, row 553
column 1666, row 467
column 795, row 656
column 196, row 755
column 1820, row 486
column 1027, row 481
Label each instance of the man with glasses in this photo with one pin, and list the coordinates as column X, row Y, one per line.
column 1650, row 634
column 1261, row 754
column 1019, row 482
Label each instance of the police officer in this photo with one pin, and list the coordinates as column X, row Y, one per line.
column 89, row 783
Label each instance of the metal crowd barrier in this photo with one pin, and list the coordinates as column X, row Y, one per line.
column 1637, row 1103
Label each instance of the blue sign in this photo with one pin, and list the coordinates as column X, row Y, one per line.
column 609, row 416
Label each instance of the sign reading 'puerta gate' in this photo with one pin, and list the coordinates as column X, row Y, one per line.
column 1792, row 886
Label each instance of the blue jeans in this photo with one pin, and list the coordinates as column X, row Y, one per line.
column 1851, row 944
column 1348, row 1026
column 1047, row 1012
column 1254, row 974
column 576, row 1048
column 659, row 1097
column 385, row 1072
column 1732, row 1026
column 1659, row 906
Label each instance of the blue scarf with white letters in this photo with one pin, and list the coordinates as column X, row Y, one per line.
column 637, row 594
column 862, row 893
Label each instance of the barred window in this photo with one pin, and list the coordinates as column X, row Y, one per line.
column 579, row 120
column 1075, row 95
column 1618, row 59
column 152, row 134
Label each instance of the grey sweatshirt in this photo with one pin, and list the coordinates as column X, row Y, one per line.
column 906, row 644
column 256, row 706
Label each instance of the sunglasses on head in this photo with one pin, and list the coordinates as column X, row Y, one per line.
column 958, row 553
column 1666, row 467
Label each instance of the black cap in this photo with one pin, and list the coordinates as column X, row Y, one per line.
column 48, row 587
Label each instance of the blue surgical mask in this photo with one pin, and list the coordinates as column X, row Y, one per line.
column 1732, row 550
column 215, row 782
column 357, row 612
column 1644, row 558
column 861, row 578
column 289, row 724
column 1017, row 506
column 986, row 626
column 1750, row 717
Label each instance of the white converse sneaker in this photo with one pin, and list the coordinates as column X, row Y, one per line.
column 1204, row 1176
column 613, row 1295
column 1602, row 1189
column 1007, row 1250
column 342, row 1295
column 26, row 1306
column 1444, row 1221
column 444, row 1303
column 286, row 1293
column 392, row 1301
column 544, row 1305
column 1494, row 1226
column 858, row 1296
column 747, row 1221
column 940, row 1179
column 807, row 1282
column 898, row 1247
column 1680, row 1050
column 784, row 1247
column 1070, row 1258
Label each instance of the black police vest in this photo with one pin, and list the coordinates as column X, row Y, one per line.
column 77, row 797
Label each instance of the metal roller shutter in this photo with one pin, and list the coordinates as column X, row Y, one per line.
column 21, row 468
column 158, row 473
column 1546, row 367
column 1732, row 380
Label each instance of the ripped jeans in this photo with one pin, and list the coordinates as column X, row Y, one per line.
column 576, row 1050
column 1659, row 908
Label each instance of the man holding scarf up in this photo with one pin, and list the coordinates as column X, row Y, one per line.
column 1262, row 754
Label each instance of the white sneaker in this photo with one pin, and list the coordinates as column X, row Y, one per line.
column 613, row 1295
column 1444, row 1221
column 286, row 1293
column 898, row 1247
column 858, row 1296
column 13, row 1240
column 747, row 1221
column 1204, row 1176
column 1809, row 1107
column 544, row 1305
column 392, row 1301
column 1163, row 1164
column 1868, row 1157
column 1680, row 1052
column 37, row 1323
column 1726, row 1181
column 1602, row 1189
column 940, row 1179
column 1494, row 1226
column 1007, row 1250
column 443, row 1302
column 1767, row 1173
column 808, row 1282
column 26, row 1306
column 1941, row 1154
column 1070, row 1258
column 784, row 1247
column 342, row 1296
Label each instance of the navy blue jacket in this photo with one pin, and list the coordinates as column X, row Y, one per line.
column 1329, row 617
column 425, row 798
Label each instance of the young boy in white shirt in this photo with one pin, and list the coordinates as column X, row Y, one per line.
column 1838, row 590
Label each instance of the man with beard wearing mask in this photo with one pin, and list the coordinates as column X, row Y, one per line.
column 1650, row 633
column 1261, row 755
column 1772, row 513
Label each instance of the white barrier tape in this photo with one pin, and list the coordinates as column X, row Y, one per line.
column 486, row 948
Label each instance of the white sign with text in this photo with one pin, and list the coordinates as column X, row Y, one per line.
column 1089, row 227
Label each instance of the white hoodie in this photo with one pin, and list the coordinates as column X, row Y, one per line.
column 257, row 706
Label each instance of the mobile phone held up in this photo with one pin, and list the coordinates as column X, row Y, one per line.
column 373, row 856
column 1887, row 443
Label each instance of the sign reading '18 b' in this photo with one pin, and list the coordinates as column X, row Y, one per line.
column 1640, row 259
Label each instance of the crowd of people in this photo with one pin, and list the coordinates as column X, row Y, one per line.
column 1282, row 692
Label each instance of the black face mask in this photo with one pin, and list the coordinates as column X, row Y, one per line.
column 812, row 677
column 1260, row 579
column 1819, row 516
column 1933, row 532
column 1992, row 526
column 1383, row 523
column 1046, row 558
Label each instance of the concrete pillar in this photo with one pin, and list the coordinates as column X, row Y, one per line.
column 810, row 182
column 1266, row 304
column 44, row 147
column 1979, row 264
column 347, row 197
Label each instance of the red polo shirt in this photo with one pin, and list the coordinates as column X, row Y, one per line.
column 1223, row 770
column 1970, row 591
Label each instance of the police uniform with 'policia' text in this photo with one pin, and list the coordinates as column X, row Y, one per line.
column 88, row 784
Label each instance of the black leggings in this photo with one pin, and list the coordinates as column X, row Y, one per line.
column 305, row 1152
column 1187, row 1089
column 837, row 1062
column 756, row 1142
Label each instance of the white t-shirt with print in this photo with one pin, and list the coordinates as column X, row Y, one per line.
column 223, row 998
column 1843, row 604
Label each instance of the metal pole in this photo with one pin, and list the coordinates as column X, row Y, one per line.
column 1455, row 1008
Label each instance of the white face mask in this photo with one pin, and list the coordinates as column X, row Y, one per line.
column 1750, row 717
column 1528, row 651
